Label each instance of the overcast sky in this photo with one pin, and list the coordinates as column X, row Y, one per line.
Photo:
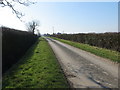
column 67, row 17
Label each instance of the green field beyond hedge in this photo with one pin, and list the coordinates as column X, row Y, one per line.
column 39, row 68
column 105, row 53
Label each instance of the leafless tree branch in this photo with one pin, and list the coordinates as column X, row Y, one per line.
column 5, row 3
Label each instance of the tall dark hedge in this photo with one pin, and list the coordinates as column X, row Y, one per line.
column 14, row 45
column 103, row 40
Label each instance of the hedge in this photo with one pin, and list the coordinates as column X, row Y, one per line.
column 14, row 45
column 103, row 40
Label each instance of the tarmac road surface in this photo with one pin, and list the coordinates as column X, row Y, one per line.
column 83, row 69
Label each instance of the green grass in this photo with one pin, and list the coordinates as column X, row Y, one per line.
column 39, row 68
column 105, row 53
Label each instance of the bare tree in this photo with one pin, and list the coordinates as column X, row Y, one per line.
column 11, row 4
column 32, row 26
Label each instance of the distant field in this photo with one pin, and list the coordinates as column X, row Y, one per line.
column 37, row 69
column 105, row 53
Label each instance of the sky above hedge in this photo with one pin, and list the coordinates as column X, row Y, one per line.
column 67, row 17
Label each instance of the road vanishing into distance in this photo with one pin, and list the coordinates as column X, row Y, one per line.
column 83, row 69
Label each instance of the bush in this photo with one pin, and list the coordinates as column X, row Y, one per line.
column 103, row 40
column 14, row 45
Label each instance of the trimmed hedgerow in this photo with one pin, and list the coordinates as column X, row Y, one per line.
column 102, row 40
column 14, row 45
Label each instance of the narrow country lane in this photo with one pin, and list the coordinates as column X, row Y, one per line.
column 83, row 69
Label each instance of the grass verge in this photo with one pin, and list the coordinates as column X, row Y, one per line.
column 37, row 69
column 105, row 53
